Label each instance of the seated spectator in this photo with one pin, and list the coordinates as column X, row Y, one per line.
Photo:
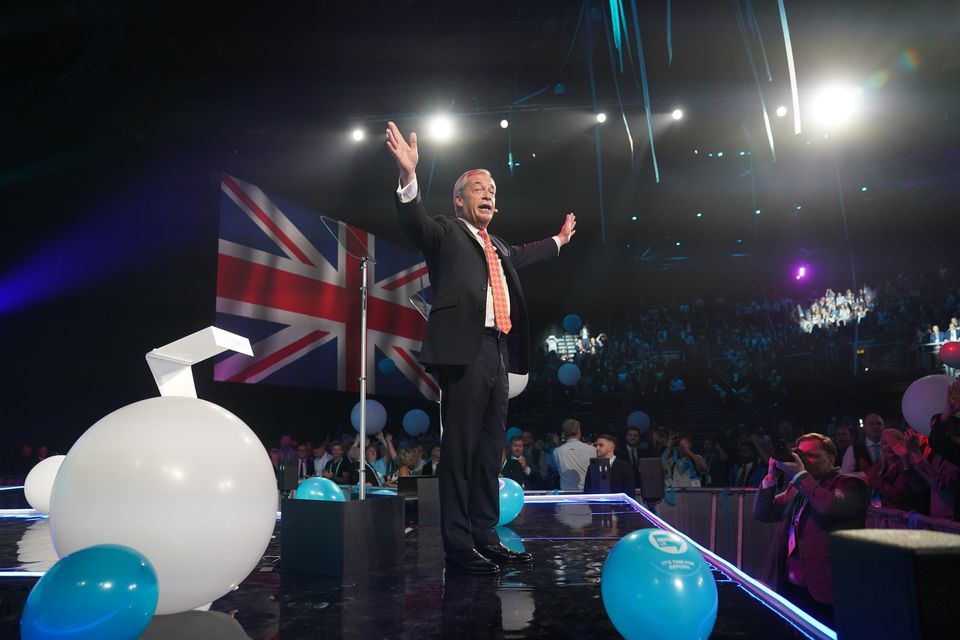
column 749, row 468
column 889, row 480
column 430, row 468
column 819, row 500
column 304, row 464
column 681, row 466
column 406, row 463
column 514, row 465
column 321, row 457
column 573, row 457
column 339, row 469
column 620, row 476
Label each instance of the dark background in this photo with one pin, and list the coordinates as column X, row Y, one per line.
column 118, row 118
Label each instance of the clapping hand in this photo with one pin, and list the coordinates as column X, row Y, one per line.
column 523, row 462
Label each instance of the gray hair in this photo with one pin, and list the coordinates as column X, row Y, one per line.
column 461, row 183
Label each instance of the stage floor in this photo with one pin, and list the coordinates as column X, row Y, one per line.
column 558, row 596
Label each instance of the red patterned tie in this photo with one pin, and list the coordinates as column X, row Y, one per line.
column 500, row 314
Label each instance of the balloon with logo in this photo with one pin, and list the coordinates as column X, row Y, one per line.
column 511, row 501
column 568, row 374
column 376, row 417
column 655, row 585
column 923, row 398
column 106, row 591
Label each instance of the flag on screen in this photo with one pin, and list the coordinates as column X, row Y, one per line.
column 286, row 283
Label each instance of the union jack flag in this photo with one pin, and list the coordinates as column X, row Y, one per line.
column 288, row 285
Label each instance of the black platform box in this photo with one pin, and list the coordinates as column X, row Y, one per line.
column 341, row 538
column 426, row 489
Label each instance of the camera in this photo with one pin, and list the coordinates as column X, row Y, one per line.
column 782, row 451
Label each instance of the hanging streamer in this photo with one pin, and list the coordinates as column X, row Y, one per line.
column 596, row 129
column 791, row 68
column 756, row 79
column 646, row 88
column 669, row 35
column 615, row 23
column 616, row 86
column 755, row 28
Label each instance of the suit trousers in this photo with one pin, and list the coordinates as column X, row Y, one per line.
column 474, row 413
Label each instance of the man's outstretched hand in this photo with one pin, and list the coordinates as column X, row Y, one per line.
column 567, row 230
column 405, row 153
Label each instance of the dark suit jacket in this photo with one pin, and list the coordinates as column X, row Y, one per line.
column 621, row 478
column 458, row 275
column 838, row 501
column 513, row 470
column 311, row 470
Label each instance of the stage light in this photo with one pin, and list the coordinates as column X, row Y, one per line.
column 802, row 272
column 836, row 105
column 739, row 240
column 699, row 214
column 756, row 212
column 677, row 114
column 781, row 111
column 864, row 189
column 441, row 128
column 357, row 135
column 719, row 154
column 798, row 207
column 504, row 124
column 678, row 243
column 634, row 218
column 601, row 117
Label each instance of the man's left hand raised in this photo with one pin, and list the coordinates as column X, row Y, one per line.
column 567, row 230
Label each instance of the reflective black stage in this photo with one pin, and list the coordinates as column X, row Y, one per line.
column 557, row 597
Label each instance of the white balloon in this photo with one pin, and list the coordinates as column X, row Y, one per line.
column 517, row 383
column 39, row 483
column 181, row 480
column 923, row 398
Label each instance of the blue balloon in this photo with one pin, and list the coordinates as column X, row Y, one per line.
column 655, row 584
column 511, row 501
column 376, row 417
column 107, row 592
column 640, row 420
column 320, row 489
column 386, row 365
column 416, row 422
column 569, row 374
column 572, row 323
column 511, row 433
column 510, row 539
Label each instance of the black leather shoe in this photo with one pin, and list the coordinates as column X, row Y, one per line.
column 502, row 555
column 471, row 562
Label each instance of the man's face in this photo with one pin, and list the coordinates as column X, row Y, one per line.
column 337, row 451
column 435, row 453
column 285, row 442
column 633, row 437
column 842, row 438
column 302, row 452
column 604, row 448
column 873, row 427
column 745, row 453
column 319, row 452
column 527, row 439
column 516, row 448
column 815, row 460
column 478, row 200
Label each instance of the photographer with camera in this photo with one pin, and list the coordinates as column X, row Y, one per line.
column 681, row 466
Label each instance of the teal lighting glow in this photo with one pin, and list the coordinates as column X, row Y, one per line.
column 678, row 243
column 864, row 189
column 739, row 241
column 699, row 214
column 719, row 154
column 757, row 212
column 634, row 218
column 798, row 207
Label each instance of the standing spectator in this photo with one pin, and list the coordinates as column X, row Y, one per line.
column 819, row 500
column 573, row 457
column 749, row 469
column 630, row 452
column 620, row 475
column 843, row 438
column 889, row 479
column 514, row 465
column 935, row 467
column 717, row 460
column 681, row 466
column 869, row 451
column 305, row 468
column 288, row 451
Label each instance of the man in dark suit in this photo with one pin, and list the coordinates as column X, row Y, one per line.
column 515, row 464
column 477, row 332
column 819, row 500
column 620, row 475
column 305, row 467
column 631, row 452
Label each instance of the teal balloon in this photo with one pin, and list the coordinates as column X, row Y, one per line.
column 386, row 365
column 510, row 539
column 572, row 323
column 639, row 420
column 106, row 592
column 511, row 433
column 416, row 422
column 376, row 417
column 655, row 584
column 511, row 501
column 569, row 374
column 320, row 489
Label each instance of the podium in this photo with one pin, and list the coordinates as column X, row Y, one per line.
column 341, row 538
column 426, row 489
